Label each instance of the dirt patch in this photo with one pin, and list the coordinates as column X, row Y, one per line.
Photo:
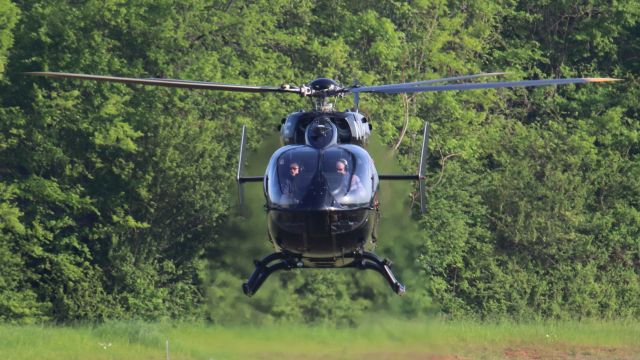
column 570, row 352
column 515, row 352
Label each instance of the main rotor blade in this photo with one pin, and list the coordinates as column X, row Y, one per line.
column 424, row 82
column 187, row 84
column 522, row 83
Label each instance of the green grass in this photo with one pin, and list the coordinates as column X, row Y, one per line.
column 387, row 339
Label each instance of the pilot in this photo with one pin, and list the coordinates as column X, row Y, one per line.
column 356, row 184
column 294, row 169
column 288, row 185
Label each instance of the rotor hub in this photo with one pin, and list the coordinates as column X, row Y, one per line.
column 320, row 90
column 324, row 85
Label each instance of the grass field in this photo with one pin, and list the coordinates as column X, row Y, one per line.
column 391, row 339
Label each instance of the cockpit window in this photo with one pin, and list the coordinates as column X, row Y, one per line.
column 295, row 170
column 346, row 176
column 307, row 178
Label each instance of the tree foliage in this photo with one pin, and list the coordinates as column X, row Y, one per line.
column 115, row 200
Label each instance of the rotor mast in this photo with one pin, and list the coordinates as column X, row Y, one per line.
column 321, row 90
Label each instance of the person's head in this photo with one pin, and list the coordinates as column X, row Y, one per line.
column 294, row 169
column 341, row 166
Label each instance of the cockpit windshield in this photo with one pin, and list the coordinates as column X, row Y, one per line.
column 337, row 177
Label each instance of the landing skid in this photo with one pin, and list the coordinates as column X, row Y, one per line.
column 365, row 260
column 263, row 270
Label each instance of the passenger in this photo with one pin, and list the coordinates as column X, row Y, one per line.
column 356, row 184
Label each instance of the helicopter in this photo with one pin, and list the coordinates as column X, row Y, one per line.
column 321, row 187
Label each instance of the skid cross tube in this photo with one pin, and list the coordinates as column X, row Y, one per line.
column 263, row 270
column 371, row 261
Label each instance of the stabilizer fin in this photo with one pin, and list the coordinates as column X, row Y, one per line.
column 240, row 178
column 424, row 154
column 420, row 176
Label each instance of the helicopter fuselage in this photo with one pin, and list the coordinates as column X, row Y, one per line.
column 321, row 191
column 323, row 238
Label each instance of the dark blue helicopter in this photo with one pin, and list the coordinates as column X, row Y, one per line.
column 321, row 186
